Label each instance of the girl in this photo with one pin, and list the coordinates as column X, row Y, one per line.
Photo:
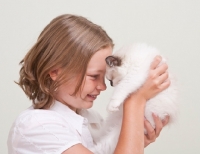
column 63, row 74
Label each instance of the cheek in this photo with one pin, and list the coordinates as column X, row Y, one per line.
column 88, row 86
column 66, row 89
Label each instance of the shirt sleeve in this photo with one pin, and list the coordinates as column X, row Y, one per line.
column 43, row 132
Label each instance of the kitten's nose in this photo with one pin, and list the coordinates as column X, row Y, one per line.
column 111, row 83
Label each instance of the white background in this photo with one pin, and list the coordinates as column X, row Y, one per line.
column 173, row 26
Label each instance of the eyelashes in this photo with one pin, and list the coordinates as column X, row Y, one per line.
column 94, row 76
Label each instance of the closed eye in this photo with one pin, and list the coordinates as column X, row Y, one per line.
column 93, row 76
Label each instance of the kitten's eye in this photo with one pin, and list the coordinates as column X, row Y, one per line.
column 111, row 82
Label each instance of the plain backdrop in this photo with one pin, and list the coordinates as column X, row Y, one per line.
column 173, row 26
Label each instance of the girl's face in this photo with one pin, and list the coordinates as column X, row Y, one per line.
column 92, row 86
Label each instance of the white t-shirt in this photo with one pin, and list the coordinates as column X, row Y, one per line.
column 52, row 131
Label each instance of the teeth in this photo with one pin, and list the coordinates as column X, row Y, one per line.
column 94, row 96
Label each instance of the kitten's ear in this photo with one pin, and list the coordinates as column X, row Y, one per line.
column 113, row 61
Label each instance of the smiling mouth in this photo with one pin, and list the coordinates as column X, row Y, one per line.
column 92, row 96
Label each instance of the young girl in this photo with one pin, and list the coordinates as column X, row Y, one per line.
column 63, row 74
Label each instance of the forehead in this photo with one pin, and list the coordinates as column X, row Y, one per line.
column 97, row 62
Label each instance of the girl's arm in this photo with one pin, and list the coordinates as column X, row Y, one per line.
column 131, row 139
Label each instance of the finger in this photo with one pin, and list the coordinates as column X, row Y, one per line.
column 158, row 124
column 161, row 69
column 146, row 141
column 150, row 131
column 162, row 78
column 156, row 62
column 164, row 85
column 166, row 120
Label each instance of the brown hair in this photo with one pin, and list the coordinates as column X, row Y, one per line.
column 69, row 42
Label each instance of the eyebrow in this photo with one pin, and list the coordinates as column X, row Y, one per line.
column 95, row 71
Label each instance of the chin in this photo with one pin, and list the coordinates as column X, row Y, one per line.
column 88, row 105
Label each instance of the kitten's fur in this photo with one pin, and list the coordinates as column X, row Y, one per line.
column 128, row 69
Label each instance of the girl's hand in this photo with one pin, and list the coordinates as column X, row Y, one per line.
column 152, row 133
column 157, row 80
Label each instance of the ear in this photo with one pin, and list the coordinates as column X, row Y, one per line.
column 54, row 73
column 113, row 61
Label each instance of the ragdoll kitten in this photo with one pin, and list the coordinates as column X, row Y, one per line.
column 127, row 69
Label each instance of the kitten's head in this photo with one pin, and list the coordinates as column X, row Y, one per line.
column 115, row 69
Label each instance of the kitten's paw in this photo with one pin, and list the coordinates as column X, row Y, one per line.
column 113, row 109
column 113, row 106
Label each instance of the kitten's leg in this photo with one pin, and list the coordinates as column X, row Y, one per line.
column 128, row 85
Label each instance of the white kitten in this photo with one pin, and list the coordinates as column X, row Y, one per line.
column 127, row 70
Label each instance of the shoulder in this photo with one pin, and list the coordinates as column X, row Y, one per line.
column 43, row 121
column 42, row 131
column 37, row 117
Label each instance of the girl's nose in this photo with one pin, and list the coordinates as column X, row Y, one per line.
column 102, row 86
